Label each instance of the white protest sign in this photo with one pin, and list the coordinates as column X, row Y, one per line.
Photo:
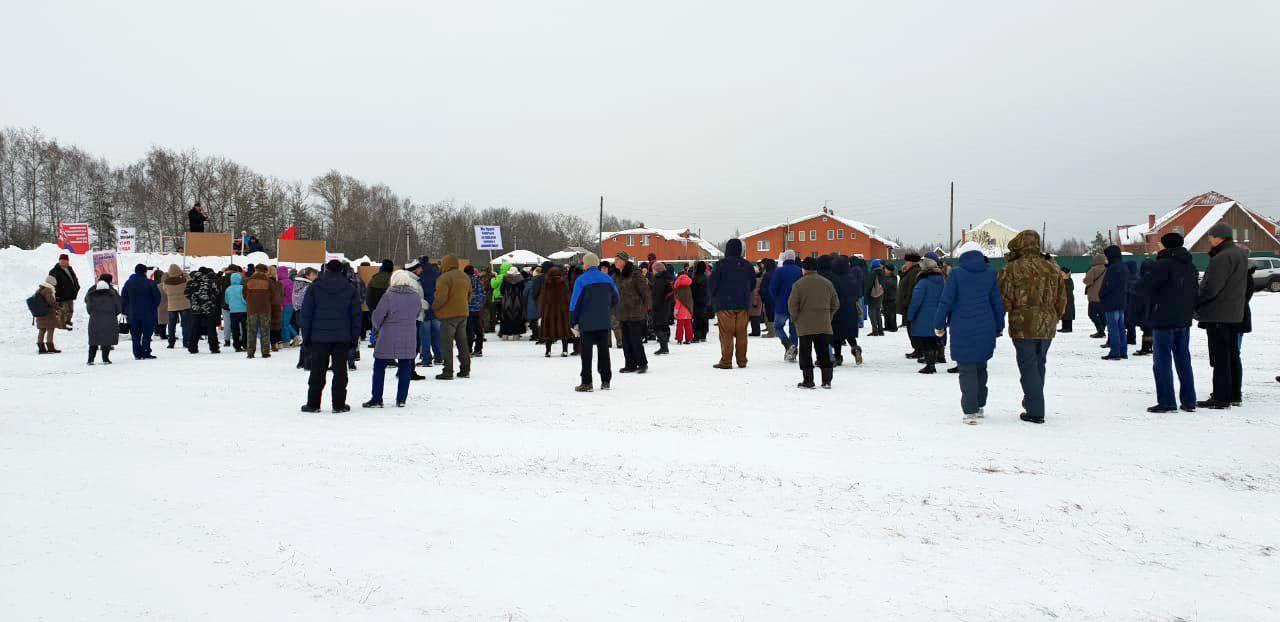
column 488, row 237
column 127, row 239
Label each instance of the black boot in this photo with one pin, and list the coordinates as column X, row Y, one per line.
column 40, row 346
column 827, row 373
column 93, row 353
column 106, row 355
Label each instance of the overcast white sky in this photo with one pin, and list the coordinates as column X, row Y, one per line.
column 715, row 115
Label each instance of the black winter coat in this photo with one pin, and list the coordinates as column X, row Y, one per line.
column 103, row 306
column 196, row 220
column 699, row 291
column 663, row 299
column 733, row 280
column 68, row 284
column 330, row 310
column 849, row 290
column 1170, row 287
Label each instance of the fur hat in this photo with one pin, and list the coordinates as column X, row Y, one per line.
column 49, row 282
column 1171, row 240
column 1221, row 230
column 912, row 257
column 333, row 266
column 787, row 255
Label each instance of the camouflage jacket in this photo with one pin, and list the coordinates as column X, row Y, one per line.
column 1032, row 290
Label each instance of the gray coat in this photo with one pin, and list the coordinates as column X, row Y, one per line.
column 396, row 319
column 1224, row 286
column 103, row 307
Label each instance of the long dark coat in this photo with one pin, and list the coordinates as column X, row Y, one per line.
column 1069, row 288
column 553, row 306
column 103, row 306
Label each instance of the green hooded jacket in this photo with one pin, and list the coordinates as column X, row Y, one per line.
column 495, row 283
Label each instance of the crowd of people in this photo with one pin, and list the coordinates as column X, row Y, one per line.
column 427, row 314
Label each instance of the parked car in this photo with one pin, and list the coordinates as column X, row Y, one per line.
column 1268, row 275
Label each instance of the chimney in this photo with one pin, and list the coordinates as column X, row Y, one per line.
column 1151, row 222
column 964, row 237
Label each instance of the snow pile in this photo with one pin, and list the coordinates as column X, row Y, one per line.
column 191, row 488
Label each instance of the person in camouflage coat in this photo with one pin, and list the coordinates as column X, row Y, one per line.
column 1035, row 300
column 206, row 308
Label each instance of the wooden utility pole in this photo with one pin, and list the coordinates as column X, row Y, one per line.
column 951, row 239
column 600, row 229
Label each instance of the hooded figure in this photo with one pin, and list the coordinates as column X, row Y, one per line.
column 513, row 317
column 1031, row 288
column 104, row 307
column 844, row 326
column 973, row 309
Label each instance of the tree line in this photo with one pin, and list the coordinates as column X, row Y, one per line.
column 44, row 182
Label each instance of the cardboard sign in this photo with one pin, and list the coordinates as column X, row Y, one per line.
column 104, row 262
column 488, row 237
column 302, row 251
column 74, row 237
column 126, row 239
column 208, row 245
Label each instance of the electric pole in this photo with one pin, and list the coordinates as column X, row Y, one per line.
column 951, row 234
column 600, row 230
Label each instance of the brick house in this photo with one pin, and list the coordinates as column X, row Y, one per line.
column 672, row 245
column 817, row 234
column 1193, row 218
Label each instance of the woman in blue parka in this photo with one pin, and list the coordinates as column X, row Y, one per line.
column 924, row 305
column 973, row 310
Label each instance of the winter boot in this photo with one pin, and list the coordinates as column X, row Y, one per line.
column 106, row 356
column 827, row 373
column 93, row 353
column 41, row 347
column 51, row 349
column 857, row 354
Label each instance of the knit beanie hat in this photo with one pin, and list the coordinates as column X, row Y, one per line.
column 1171, row 240
column 1220, row 230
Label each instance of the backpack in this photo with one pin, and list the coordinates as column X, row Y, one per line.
column 877, row 288
column 38, row 306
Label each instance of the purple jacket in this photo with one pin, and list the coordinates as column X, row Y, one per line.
column 286, row 283
column 396, row 319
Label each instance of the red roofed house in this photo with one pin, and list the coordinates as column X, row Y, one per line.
column 817, row 234
column 1193, row 218
column 668, row 244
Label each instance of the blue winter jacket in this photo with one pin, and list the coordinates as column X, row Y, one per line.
column 733, row 280
column 139, row 298
column 972, row 307
column 594, row 297
column 924, row 304
column 428, row 279
column 330, row 311
column 784, row 278
column 1115, row 286
column 235, row 295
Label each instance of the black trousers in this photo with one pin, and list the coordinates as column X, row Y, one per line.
column 599, row 341
column 701, row 324
column 203, row 326
column 237, row 329
column 839, row 344
column 891, row 315
column 808, row 343
column 1098, row 317
column 475, row 330
column 322, row 354
column 1224, row 357
column 633, row 355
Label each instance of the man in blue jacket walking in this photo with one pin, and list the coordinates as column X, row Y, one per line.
column 330, row 323
column 784, row 278
column 139, row 298
column 731, row 285
column 591, row 317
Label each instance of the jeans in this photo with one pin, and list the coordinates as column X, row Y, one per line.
column 287, row 332
column 781, row 321
column 322, row 355
column 822, row 343
column 1224, row 357
column 1172, row 351
column 599, row 340
column 236, row 328
column 404, row 373
column 973, row 387
column 1116, row 334
column 182, row 317
column 633, row 355
column 1032, row 354
column 429, row 341
column 1098, row 317
column 875, row 311
column 226, row 325
column 454, row 332
column 733, row 336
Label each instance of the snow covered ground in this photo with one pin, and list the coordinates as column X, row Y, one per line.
column 191, row 488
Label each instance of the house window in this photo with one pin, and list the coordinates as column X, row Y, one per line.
column 1178, row 229
column 644, row 240
column 791, row 236
column 630, row 241
column 1244, row 234
column 801, row 238
column 839, row 234
column 853, row 235
column 831, row 234
column 813, row 235
column 814, row 254
column 762, row 245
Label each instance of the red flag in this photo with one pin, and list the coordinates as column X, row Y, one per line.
column 290, row 234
